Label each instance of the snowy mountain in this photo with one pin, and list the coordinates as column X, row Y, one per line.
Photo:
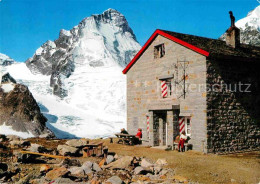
column 99, row 41
column 5, row 60
column 249, row 28
column 83, row 68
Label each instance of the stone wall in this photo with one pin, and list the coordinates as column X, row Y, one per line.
column 144, row 93
column 233, row 113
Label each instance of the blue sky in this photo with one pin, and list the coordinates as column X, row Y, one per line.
column 26, row 24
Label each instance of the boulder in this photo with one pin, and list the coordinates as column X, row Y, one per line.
column 114, row 180
column 77, row 172
column 39, row 181
column 57, row 173
column 77, row 143
column 109, row 159
column 140, row 170
column 67, row 150
column 70, row 162
column 96, row 167
column 87, row 170
column 161, row 162
column 45, row 168
column 87, row 164
column 146, row 163
column 37, row 148
column 121, row 163
column 116, row 157
column 157, row 169
column 19, row 143
column 13, row 137
column 62, row 181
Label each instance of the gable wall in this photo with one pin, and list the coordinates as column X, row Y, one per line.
column 144, row 93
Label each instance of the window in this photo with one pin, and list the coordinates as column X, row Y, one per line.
column 159, row 51
column 166, row 87
column 187, row 126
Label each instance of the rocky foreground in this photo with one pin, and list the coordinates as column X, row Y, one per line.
column 112, row 168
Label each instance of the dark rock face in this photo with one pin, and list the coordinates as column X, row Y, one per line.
column 19, row 110
column 8, row 78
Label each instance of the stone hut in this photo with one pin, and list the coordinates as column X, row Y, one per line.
column 206, row 87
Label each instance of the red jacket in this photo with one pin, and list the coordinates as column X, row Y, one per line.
column 139, row 134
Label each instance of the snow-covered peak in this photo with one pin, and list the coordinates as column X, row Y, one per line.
column 4, row 57
column 5, row 60
column 84, row 67
column 251, row 20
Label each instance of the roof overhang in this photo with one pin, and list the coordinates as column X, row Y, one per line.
column 164, row 34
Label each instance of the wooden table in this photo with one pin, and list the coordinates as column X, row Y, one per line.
column 93, row 149
column 126, row 138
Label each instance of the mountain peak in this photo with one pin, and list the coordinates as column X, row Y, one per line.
column 251, row 20
column 111, row 10
column 5, row 60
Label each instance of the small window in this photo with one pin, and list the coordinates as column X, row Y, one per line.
column 187, row 126
column 166, row 88
column 159, row 51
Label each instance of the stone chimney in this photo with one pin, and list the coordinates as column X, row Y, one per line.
column 233, row 33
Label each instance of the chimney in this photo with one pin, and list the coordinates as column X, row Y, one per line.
column 233, row 33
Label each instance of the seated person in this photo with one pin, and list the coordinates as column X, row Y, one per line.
column 123, row 131
column 138, row 137
column 183, row 138
column 139, row 134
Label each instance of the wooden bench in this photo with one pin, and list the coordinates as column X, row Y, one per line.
column 187, row 146
column 126, row 138
column 93, row 149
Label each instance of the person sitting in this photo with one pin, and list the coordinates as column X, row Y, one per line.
column 138, row 137
column 183, row 138
column 123, row 131
column 139, row 134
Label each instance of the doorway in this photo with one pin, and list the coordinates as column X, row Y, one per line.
column 160, row 128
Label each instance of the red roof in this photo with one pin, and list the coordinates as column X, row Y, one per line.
column 164, row 34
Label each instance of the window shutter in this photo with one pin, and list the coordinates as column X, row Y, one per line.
column 163, row 50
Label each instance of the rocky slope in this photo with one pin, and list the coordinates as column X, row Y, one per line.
column 19, row 112
column 249, row 28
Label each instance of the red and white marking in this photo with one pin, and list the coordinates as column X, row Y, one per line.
column 164, row 89
column 181, row 124
column 148, row 125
